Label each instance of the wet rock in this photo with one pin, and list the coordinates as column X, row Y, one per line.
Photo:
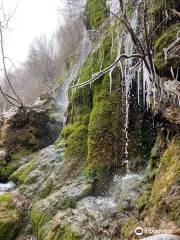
column 30, row 128
column 34, row 175
column 66, row 198
column 125, row 190
column 172, row 115
column 162, row 237
column 93, row 218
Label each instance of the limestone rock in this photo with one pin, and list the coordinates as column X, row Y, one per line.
column 162, row 237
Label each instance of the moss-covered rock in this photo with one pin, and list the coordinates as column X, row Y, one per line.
column 167, row 37
column 34, row 178
column 76, row 143
column 128, row 228
column 12, row 163
column 96, row 13
column 10, row 218
column 164, row 199
column 62, row 232
column 40, row 222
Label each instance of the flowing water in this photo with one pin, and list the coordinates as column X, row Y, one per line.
column 7, row 187
column 128, row 77
column 62, row 96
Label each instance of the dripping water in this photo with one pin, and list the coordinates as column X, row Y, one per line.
column 128, row 76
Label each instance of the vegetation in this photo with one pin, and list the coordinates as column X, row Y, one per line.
column 65, row 184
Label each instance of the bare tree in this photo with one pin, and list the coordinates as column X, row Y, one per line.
column 12, row 99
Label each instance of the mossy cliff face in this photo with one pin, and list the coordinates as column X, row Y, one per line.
column 159, row 201
column 164, row 199
column 165, row 35
column 95, row 116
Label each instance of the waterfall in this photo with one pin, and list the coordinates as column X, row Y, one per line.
column 128, row 77
column 84, row 50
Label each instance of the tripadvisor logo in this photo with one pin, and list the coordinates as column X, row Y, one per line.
column 139, row 231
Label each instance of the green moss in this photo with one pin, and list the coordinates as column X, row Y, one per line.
column 63, row 232
column 68, row 203
column 128, row 227
column 6, row 197
column 142, row 202
column 105, row 127
column 76, row 143
column 165, row 39
column 68, row 130
column 13, row 164
column 96, row 13
column 10, row 218
column 47, row 188
column 40, row 222
column 21, row 174
column 96, row 109
column 168, row 171
column 165, row 187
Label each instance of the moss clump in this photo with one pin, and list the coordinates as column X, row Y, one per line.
column 96, row 13
column 40, row 221
column 13, row 163
column 105, row 129
column 5, row 198
column 128, row 227
column 67, row 131
column 167, row 37
column 76, row 143
column 10, row 218
column 68, row 202
column 47, row 188
column 99, row 112
column 63, row 231
column 21, row 174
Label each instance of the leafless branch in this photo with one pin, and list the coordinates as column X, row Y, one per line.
column 99, row 74
column 5, row 95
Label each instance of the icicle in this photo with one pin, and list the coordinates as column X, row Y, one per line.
column 92, row 73
column 117, row 57
column 112, row 45
column 166, row 50
column 138, row 83
column 110, row 79
column 101, row 65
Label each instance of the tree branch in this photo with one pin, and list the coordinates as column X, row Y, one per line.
column 5, row 95
column 4, row 66
column 99, row 74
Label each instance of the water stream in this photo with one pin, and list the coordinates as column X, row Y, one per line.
column 62, row 96
column 7, row 187
column 128, row 77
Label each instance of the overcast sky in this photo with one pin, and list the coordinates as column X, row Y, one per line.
column 32, row 18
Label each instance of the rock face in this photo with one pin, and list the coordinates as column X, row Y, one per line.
column 23, row 131
column 28, row 129
column 93, row 218
column 162, row 237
